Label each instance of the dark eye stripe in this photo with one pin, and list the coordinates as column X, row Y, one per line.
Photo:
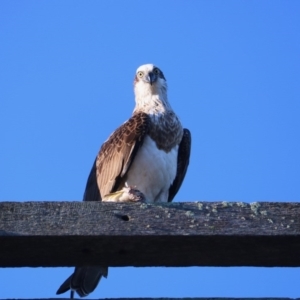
column 161, row 74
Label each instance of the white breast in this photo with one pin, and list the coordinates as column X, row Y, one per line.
column 153, row 171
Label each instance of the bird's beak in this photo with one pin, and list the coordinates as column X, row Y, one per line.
column 151, row 77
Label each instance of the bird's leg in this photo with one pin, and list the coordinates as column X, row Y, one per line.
column 71, row 294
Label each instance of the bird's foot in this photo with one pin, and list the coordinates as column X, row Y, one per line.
column 126, row 194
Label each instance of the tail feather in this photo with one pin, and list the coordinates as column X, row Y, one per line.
column 65, row 286
column 84, row 280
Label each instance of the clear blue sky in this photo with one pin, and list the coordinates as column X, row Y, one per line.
column 233, row 70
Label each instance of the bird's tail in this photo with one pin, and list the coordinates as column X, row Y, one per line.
column 84, row 280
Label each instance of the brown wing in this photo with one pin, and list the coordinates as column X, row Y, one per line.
column 183, row 160
column 115, row 157
column 92, row 192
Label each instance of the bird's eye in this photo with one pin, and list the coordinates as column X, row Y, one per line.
column 140, row 74
column 156, row 71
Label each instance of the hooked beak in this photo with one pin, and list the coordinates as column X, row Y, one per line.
column 151, row 77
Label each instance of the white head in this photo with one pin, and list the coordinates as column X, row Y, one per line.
column 150, row 88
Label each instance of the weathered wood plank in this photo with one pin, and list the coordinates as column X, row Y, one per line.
column 174, row 234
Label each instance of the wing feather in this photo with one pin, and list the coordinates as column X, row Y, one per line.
column 183, row 160
column 115, row 157
column 117, row 153
column 92, row 192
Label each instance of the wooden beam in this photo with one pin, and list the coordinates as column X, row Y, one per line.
column 175, row 234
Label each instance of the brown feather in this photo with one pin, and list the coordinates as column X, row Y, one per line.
column 91, row 192
column 183, row 160
column 118, row 152
column 166, row 131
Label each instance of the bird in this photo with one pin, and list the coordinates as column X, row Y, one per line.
column 145, row 159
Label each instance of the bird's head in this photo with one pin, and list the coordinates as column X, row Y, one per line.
column 149, row 74
column 149, row 81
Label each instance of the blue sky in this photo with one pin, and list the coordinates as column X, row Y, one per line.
column 233, row 70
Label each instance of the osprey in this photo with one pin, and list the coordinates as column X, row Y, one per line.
column 145, row 159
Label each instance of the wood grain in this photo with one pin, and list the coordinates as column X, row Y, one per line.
column 173, row 234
